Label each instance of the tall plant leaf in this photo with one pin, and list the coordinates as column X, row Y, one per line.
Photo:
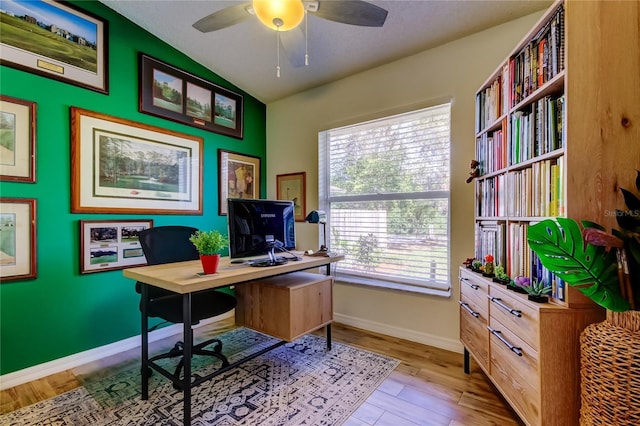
column 591, row 269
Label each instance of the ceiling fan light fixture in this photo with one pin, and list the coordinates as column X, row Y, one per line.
column 280, row 15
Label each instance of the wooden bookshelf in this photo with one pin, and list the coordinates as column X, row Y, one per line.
column 557, row 134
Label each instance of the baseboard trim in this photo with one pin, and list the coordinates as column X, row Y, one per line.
column 402, row 333
column 39, row 371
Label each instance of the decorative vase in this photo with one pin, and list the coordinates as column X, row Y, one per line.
column 538, row 299
column 610, row 370
column 210, row 263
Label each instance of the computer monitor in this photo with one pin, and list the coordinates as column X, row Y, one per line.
column 256, row 225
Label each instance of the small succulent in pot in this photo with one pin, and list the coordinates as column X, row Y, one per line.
column 476, row 265
column 538, row 291
column 488, row 265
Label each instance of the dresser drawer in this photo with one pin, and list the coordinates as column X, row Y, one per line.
column 474, row 290
column 515, row 371
column 516, row 313
column 474, row 335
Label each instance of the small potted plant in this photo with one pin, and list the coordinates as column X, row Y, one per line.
column 501, row 276
column 209, row 244
column 519, row 284
column 488, row 266
column 469, row 262
column 476, row 266
column 538, row 291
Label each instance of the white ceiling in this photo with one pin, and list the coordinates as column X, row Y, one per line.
column 245, row 54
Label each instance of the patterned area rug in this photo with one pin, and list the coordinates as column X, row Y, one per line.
column 299, row 383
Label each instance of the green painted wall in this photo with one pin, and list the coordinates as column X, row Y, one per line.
column 63, row 312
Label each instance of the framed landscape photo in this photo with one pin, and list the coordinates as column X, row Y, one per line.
column 238, row 176
column 168, row 92
column 17, row 239
column 293, row 187
column 120, row 166
column 56, row 40
column 106, row 245
column 17, row 140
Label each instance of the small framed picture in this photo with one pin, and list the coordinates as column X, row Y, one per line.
column 17, row 140
column 17, row 239
column 239, row 177
column 293, row 187
column 111, row 244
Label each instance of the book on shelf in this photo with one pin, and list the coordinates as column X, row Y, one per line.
column 490, row 239
column 538, row 272
column 535, row 190
column 539, row 60
column 537, row 130
column 489, row 104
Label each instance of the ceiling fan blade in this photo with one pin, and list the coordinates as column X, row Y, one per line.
column 353, row 12
column 223, row 18
column 292, row 43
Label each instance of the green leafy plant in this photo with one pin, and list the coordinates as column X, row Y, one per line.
column 605, row 267
column 591, row 269
column 500, row 273
column 476, row 264
column 209, row 242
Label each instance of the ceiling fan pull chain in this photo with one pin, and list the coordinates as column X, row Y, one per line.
column 278, row 51
column 306, row 35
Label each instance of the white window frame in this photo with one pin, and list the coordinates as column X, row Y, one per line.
column 441, row 287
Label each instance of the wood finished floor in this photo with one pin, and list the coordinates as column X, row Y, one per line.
column 427, row 388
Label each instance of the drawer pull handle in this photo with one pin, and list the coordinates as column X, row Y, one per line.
column 498, row 302
column 516, row 350
column 468, row 309
column 466, row 281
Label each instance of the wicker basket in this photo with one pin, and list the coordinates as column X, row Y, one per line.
column 610, row 371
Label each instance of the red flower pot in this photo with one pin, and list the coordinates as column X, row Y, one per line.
column 210, row 263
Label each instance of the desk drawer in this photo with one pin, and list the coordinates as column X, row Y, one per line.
column 286, row 306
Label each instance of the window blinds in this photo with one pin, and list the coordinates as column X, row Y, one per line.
column 385, row 187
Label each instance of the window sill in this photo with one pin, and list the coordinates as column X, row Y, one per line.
column 388, row 285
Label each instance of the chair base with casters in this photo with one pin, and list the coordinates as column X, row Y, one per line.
column 167, row 244
column 201, row 302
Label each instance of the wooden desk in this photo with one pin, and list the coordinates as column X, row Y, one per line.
column 184, row 278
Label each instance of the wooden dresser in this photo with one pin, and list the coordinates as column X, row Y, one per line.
column 530, row 351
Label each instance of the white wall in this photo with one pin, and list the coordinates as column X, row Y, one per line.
column 452, row 72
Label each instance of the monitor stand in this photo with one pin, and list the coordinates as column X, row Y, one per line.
column 272, row 261
column 269, row 263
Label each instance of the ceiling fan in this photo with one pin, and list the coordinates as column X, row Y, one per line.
column 285, row 17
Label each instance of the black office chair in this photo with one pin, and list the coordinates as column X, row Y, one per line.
column 166, row 244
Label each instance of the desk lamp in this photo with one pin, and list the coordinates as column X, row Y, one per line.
column 319, row 216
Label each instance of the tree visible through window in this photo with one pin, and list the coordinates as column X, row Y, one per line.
column 385, row 187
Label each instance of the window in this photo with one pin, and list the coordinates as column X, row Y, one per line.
column 385, row 187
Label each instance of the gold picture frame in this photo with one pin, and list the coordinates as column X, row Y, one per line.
column 293, row 187
column 120, row 166
column 238, row 177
